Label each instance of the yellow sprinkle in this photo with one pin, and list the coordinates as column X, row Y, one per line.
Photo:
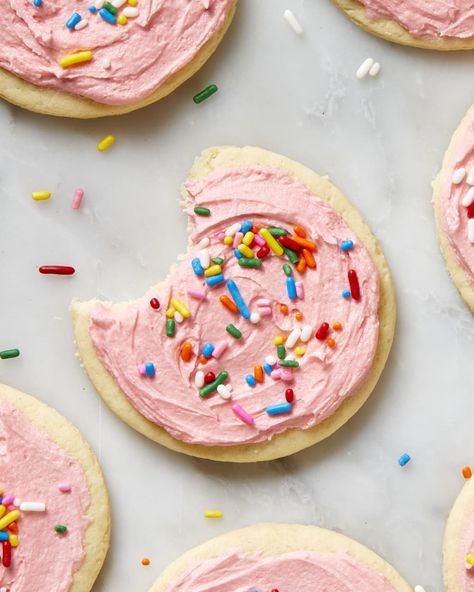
column 213, row 270
column 9, row 518
column 132, row 2
column 170, row 313
column 2, row 509
column 213, row 514
column 278, row 340
column 41, row 195
column 271, row 242
column 246, row 251
column 106, row 143
column 228, row 240
column 180, row 307
column 248, row 238
column 13, row 538
column 470, row 559
column 122, row 19
column 75, row 58
column 300, row 350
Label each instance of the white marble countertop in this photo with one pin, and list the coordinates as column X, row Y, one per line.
column 381, row 141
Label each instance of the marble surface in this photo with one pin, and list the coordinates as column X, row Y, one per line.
column 381, row 141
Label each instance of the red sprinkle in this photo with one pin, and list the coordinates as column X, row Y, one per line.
column 209, row 377
column 470, row 211
column 6, row 553
column 289, row 395
column 289, row 243
column 155, row 303
column 354, row 284
column 57, row 269
column 263, row 252
column 322, row 332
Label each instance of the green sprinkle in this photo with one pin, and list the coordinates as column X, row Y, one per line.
column 205, row 94
column 60, row 528
column 110, row 7
column 170, row 327
column 212, row 386
column 217, row 260
column 202, row 211
column 292, row 256
column 277, row 232
column 289, row 363
column 232, row 330
column 281, row 352
column 9, row 353
column 255, row 263
column 287, row 269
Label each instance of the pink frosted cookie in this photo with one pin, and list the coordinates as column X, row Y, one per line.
column 270, row 333
column 281, row 557
column 453, row 200
column 91, row 58
column 433, row 24
column 54, row 508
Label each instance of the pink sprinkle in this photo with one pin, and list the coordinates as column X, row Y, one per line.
column 276, row 374
column 259, row 240
column 299, row 290
column 142, row 370
column 221, row 236
column 64, row 488
column 264, row 311
column 219, row 349
column 286, row 374
column 11, row 507
column 238, row 236
column 264, row 302
column 197, row 294
column 242, row 414
column 7, row 500
column 77, row 199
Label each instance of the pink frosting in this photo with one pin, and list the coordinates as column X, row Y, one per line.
column 127, row 337
column 299, row 570
column 427, row 18
column 454, row 218
column 144, row 53
column 32, row 467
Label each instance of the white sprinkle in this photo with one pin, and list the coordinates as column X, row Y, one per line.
column 293, row 22
column 3, row 590
column 470, row 177
column 130, row 12
column 458, row 176
column 229, row 387
column 32, row 507
column 255, row 318
column 364, row 68
column 375, row 69
column 99, row 4
column 419, row 589
column 271, row 360
column 233, row 229
column 17, row 502
column 468, row 198
column 178, row 317
column 204, row 258
column 293, row 338
column 306, row 333
column 81, row 25
column 106, row 63
column 118, row 3
column 300, row 290
column 470, row 230
column 199, row 379
column 224, row 391
column 204, row 243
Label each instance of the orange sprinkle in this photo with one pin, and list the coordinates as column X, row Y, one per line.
column 145, row 561
column 301, row 265
column 283, row 309
column 467, row 472
column 258, row 373
column 304, row 242
column 229, row 304
column 308, row 257
column 186, row 351
column 300, row 231
column 285, row 337
column 203, row 359
column 330, row 342
column 13, row 527
column 337, row 326
column 299, row 316
column 255, row 229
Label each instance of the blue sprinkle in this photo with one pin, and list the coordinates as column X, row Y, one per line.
column 92, row 9
column 346, row 294
column 279, row 408
column 37, row 3
column 197, row 267
column 107, row 16
column 250, row 380
column 215, row 279
column 4, row 536
column 150, row 369
column 73, row 20
column 268, row 369
column 207, row 350
column 291, row 287
column 404, row 459
column 237, row 298
column 346, row 245
column 238, row 254
column 246, row 226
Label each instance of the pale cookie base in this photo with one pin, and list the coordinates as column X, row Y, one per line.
column 459, row 275
column 50, row 101
column 277, row 539
column 392, row 31
column 65, row 435
column 462, row 510
column 292, row 440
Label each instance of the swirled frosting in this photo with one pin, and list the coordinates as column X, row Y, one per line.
column 32, row 467
column 426, row 18
column 164, row 37
column 299, row 570
column 128, row 336
column 453, row 215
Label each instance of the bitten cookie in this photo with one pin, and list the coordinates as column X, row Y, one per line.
column 93, row 59
column 429, row 25
column 453, row 200
column 54, row 507
column 269, row 334
column 281, row 557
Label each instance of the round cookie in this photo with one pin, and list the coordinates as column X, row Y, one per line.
column 45, row 460
column 111, row 83
column 331, row 383
column 459, row 543
column 451, row 188
column 281, row 557
column 407, row 23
